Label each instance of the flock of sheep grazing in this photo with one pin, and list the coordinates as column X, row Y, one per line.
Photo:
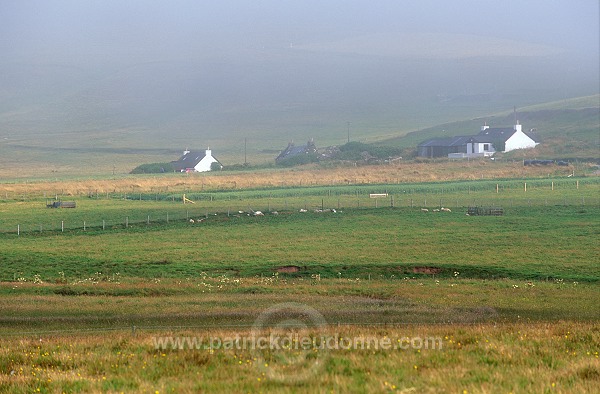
column 442, row 209
column 302, row 210
column 252, row 212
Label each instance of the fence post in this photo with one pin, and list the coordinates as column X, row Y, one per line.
column 552, row 185
column 18, row 229
column 84, row 225
column 577, row 183
column 148, row 220
column 167, row 217
column 525, row 186
column 103, row 225
column 126, row 221
column 62, row 226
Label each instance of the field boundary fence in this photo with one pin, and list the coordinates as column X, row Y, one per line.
column 172, row 208
column 468, row 186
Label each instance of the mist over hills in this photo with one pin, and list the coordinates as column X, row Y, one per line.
column 132, row 77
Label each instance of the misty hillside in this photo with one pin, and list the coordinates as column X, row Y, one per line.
column 99, row 86
column 566, row 128
column 284, row 96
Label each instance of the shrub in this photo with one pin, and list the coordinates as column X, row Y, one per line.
column 153, row 168
column 299, row 160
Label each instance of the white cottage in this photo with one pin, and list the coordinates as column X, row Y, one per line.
column 506, row 139
column 489, row 141
column 195, row 161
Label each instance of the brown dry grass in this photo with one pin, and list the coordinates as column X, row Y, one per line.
column 305, row 176
column 544, row 357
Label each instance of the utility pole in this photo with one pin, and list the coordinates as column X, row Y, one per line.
column 245, row 154
column 348, row 124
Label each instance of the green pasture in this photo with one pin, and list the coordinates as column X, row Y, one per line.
column 513, row 298
column 544, row 234
column 28, row 213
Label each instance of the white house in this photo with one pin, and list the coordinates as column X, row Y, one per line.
column 197, row 161
column 512, row 138
column 486, row 143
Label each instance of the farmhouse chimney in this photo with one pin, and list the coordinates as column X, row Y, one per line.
column 518, row 127
column 186, row 151
column 208, row 152
column 485, row 126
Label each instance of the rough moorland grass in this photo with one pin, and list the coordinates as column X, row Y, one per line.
column 209, row 302
column 558, row 357
column 402, row 172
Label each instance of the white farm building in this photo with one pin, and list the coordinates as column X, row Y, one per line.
column 489, row 141
column 196, row 161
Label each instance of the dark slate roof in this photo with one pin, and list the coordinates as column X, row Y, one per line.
column 497, row 133
column 189, row 160
column 293, row 150
column 449, row 141
column 532, row 135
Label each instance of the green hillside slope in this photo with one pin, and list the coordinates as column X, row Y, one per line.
column 566, row 128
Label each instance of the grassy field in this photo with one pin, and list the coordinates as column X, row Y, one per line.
column 512, row 299
column 568, row 128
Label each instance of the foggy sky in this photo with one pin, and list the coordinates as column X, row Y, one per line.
column 73, row 31
column 283, row 66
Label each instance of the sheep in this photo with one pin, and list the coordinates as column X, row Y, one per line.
column 258, row 213
column 275, row 213
column 446, row 209
column 424, row 210
column 436, row 210
column 303, row 210
column 192, row 221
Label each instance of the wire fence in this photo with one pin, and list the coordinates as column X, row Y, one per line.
column 102, row 212
column 163, row 194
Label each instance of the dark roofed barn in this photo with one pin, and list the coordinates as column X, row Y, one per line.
column 293, row 151
column 442, row 147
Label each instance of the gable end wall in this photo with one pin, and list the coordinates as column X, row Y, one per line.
column 519, row 140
